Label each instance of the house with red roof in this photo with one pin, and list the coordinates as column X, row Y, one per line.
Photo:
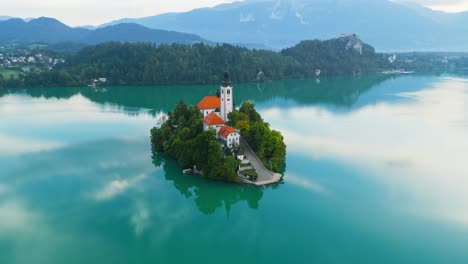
column 213, row 121
column 215, row 110
column 222, row 104
column 209, row 104
column 230, row 136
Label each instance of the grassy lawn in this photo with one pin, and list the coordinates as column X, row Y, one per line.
column 245, row 165
column 6, row 73
column 251, row 173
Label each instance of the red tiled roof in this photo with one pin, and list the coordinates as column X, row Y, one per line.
column 209, row 102
column 226, row 130
column 213, row 119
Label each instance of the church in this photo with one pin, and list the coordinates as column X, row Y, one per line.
column 215, row 110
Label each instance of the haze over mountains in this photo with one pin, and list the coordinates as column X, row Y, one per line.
column 275, row 24
column 5, row 18
column 51, row 31
column 281, row 23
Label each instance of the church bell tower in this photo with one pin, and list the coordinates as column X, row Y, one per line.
column 227, row 102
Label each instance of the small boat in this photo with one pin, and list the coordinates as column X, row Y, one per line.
column 93, row 84
column 191, row 171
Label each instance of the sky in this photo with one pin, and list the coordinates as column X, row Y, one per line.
column 92, row 12
column 444, row 5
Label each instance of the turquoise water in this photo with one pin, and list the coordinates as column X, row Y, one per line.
column 376, row 173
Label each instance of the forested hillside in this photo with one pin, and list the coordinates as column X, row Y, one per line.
column 148, row 64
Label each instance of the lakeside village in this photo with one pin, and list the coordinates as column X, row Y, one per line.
column 204, row 139
column 18, row 60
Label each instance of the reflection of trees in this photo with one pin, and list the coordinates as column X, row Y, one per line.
column 338, row 91
column 161, row 98
column 209, row 195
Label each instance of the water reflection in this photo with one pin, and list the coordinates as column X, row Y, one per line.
column 339, row 92
column 87, row 144
column 47, row 196
column 38, row 124
column 106, row 192
column 208, row 196
column 77, row 172
column 416, row 147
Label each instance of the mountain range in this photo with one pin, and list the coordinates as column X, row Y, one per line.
column 267, row 24
column 387, row 25
column 2, row 18
column 51, row 31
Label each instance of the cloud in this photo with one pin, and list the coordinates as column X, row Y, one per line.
column 415, row 147
column 118, row 187
column 90, row 12
column 305, row 183
column 444, row 5
column 48, row 124
column 12, row 145
column 276, row 13
column 140, row 218
column 14, row 217
column 301, row 19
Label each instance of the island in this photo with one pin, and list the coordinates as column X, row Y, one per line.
column 219, row 142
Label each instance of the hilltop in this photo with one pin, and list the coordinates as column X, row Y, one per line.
column 51, row 31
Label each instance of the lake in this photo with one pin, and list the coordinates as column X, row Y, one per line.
column 377, row 172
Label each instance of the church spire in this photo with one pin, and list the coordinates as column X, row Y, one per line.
column 226, row 96
column 227, row 81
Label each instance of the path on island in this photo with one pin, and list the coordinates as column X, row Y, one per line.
column 265, row 176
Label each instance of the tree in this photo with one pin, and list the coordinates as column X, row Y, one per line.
column 237, row 116
column 147, row 64
column 243, row 126
column 266, row 143
column 214, row 166
column 230, row 166
column 248, row 108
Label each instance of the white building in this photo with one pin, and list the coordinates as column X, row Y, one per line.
column 222, row 104
column 226, row 95
column 230, row 136
column 215, row 110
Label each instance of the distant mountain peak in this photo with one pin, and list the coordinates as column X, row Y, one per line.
column 2, row 18
column 387, row 25
column 51, row 31
column 46, row 21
